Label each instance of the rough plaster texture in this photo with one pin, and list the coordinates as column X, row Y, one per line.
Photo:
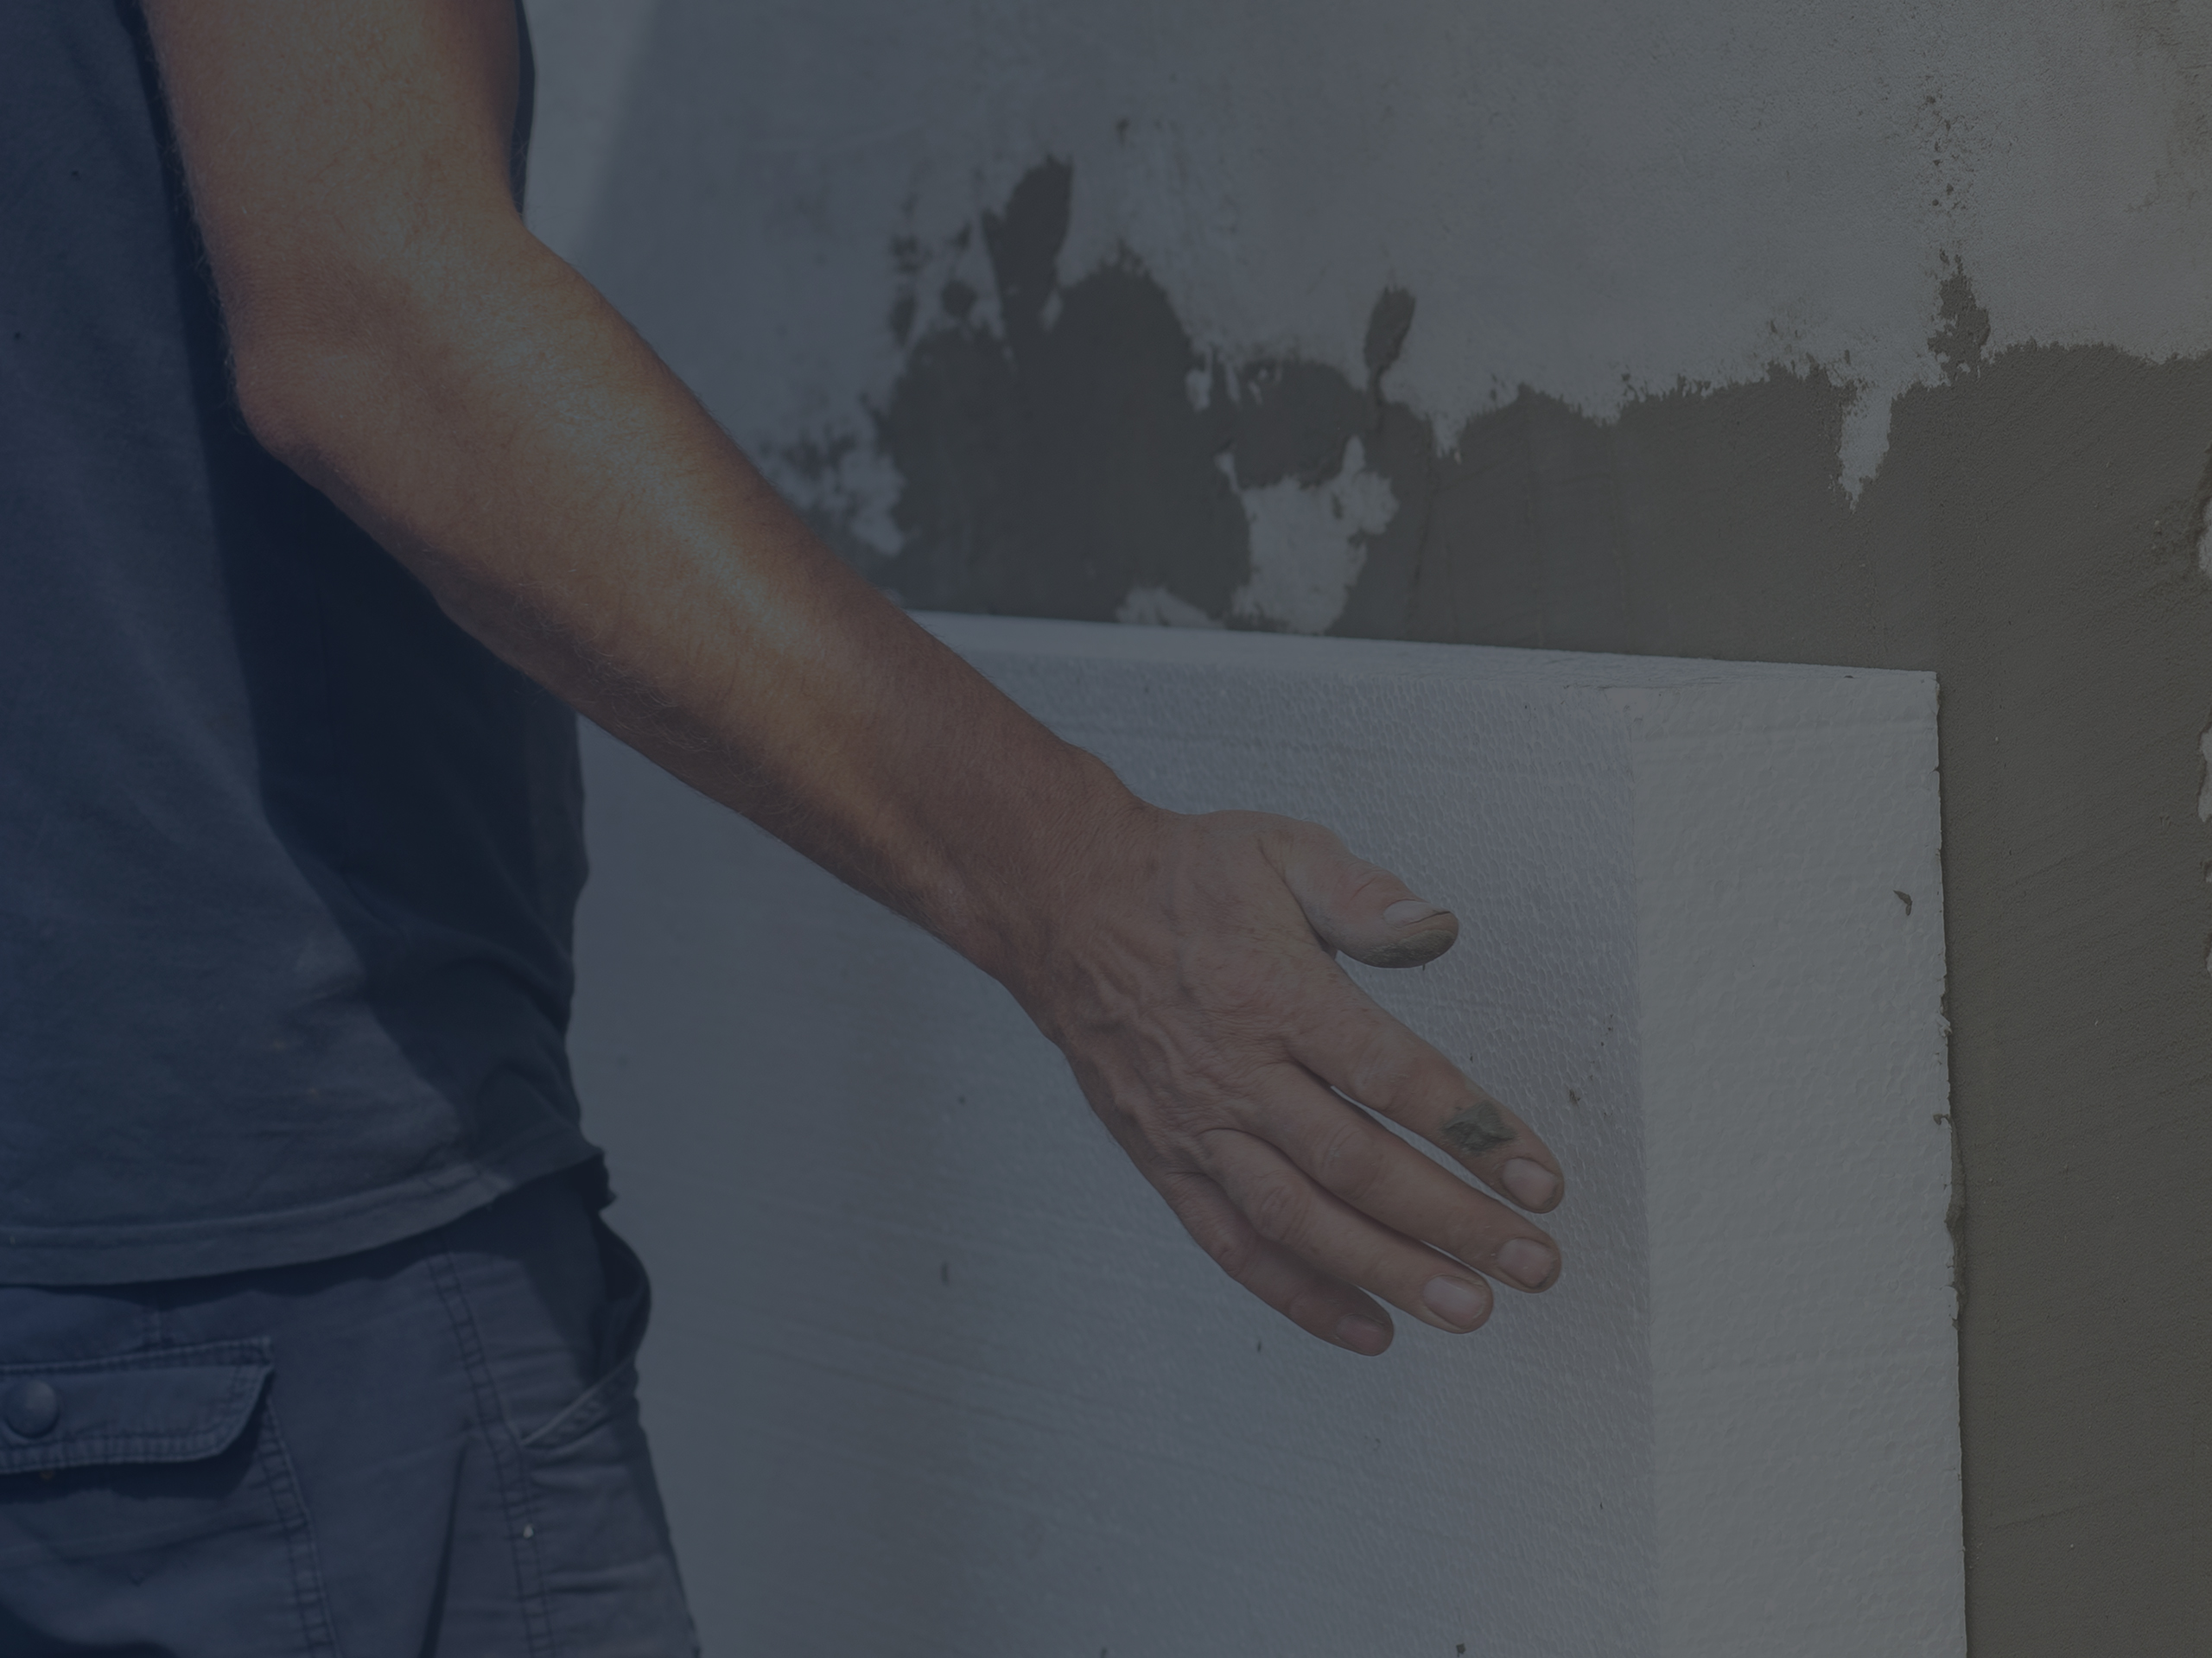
column 1867, row 335
column 1592, row 187
column 936, row 1373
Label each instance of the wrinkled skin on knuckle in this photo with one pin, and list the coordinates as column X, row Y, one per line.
column 1236, row 1253
column 1282, row 838
column 1389, row 1069
column 1317, row 1310
column 1277, row 1206
column 1347, row 1160
column 1197, row 1205
column 1247, row 993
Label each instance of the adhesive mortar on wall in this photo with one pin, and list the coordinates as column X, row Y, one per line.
column 935, row 1373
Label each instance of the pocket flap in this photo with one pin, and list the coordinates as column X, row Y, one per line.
column 167, row 1404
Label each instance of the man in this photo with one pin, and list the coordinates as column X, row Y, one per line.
column 319, row 466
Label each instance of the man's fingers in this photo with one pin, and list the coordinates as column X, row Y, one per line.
column 1368, row 914
column 1316, row 1303
column 1355, row 1047
column 1285, row 1207
column 1351, row 1155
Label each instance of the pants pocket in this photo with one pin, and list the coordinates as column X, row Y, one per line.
column 147, row 1504
column 601, row 1547
column 619, row 1325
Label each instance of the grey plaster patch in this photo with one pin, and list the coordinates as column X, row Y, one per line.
column 1386, row 328
column 1058, row 465
column 1077, row 457
column 1054, row 463
column 1964, row 330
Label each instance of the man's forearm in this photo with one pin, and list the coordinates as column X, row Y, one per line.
column 477, row 405
column 570, row 503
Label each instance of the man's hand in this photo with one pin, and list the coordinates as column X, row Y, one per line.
column 1194, row 990
column 401, row 339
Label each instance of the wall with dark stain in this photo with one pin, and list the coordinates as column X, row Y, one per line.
column 1997, row 469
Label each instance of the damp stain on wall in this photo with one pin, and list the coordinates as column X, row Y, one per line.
column 1064, row 448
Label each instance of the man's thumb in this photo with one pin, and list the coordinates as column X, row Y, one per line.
column 1366, row 912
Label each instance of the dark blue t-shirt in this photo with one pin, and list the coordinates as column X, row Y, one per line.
column 287, row 859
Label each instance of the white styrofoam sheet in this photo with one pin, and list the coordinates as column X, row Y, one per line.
column 935, row 1373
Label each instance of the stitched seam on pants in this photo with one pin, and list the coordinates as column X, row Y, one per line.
column 308, row 1590
column 515, row 1493
column 592, row 1409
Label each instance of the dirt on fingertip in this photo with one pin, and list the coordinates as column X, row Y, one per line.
column 1480, row 1128
column 1419, row 950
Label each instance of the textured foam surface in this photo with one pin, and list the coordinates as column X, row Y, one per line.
column 935, row 1373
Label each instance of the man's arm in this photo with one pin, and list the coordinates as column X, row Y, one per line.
column 401, row 339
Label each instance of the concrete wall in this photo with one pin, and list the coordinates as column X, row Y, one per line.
column 1875, row 335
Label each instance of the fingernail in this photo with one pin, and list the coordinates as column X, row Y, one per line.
column 1527, row 1263
column 1459, row 1304
column 1530, row 1184
column 1407, row 911
column 1363, row 1335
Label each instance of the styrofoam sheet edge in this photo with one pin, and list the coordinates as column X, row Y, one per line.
column 1798, row 1160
